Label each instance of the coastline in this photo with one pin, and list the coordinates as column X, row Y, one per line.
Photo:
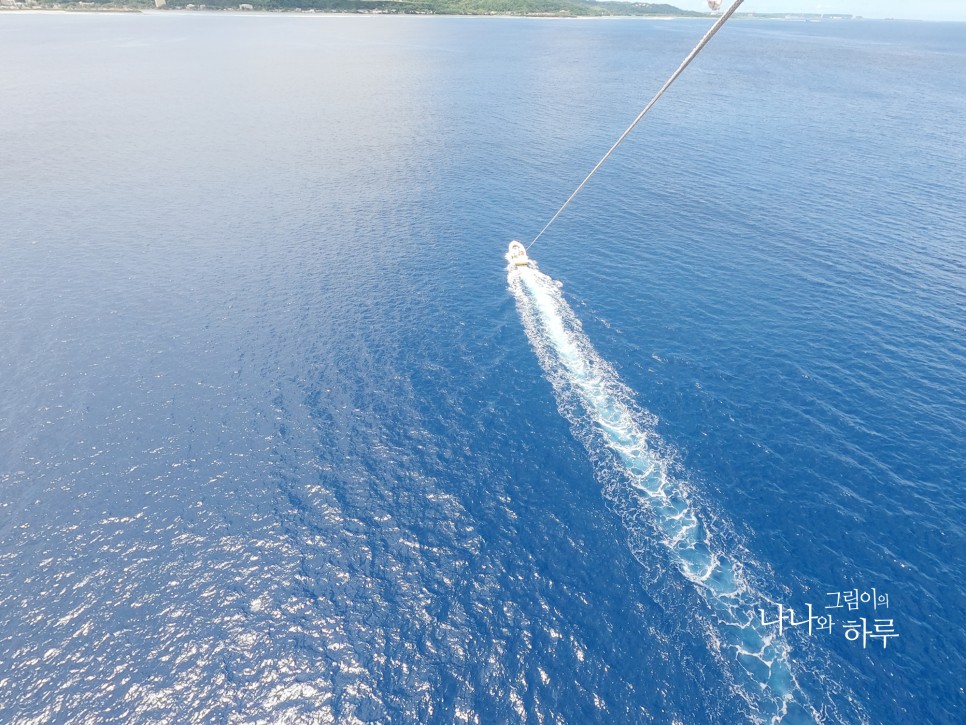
column 297, row 12
column 499, row 8
column 234, row 11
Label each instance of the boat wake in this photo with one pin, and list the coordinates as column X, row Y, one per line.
column 658, row 509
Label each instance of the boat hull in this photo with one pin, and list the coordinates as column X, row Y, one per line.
column 517, row 254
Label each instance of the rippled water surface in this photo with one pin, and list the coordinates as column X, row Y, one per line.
column 282, row 441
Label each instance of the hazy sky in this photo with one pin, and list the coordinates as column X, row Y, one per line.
column 912, row 9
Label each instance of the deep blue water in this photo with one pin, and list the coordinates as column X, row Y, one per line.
column 281, row 440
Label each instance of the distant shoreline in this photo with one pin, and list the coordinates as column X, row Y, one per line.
column 523, row 8
column 234, row 11
column 345, row 13
column 468, row 8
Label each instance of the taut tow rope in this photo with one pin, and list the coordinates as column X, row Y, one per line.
column 684, row 64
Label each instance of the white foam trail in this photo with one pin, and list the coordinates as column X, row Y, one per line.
column 656, row 506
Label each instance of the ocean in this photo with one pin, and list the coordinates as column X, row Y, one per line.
column 283, row 438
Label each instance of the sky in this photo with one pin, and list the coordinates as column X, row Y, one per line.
column 918, row 10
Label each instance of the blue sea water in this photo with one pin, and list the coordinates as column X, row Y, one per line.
column 283, row 440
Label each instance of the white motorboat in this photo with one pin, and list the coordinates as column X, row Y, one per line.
column 517, row 254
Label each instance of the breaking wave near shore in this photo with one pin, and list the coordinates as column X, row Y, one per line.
column 671, row 534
